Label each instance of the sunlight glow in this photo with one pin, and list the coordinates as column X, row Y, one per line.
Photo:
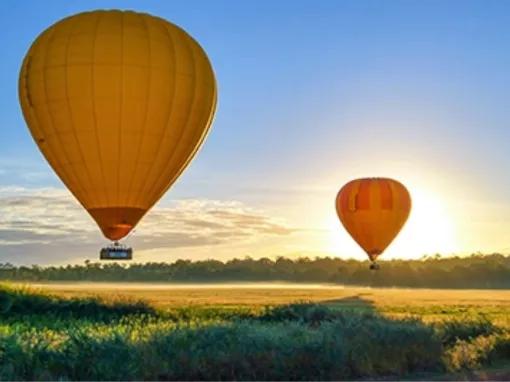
column 429, row 230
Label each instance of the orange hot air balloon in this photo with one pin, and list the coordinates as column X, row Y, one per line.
column 119, row 103
column 373, row 211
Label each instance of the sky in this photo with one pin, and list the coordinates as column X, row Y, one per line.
column 311, row 95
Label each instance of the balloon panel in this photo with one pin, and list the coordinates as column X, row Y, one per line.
column 118, row 103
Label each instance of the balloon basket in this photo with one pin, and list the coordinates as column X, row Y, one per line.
column 374, row 266
column 116, row 251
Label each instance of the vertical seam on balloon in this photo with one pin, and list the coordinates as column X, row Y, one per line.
column 343, row 198
column 378, row 234
column 363, row 196
column 51, row 119
column 409, row 200
column 121, row 101
column 24, row 80
column 396, row 191
column 66, row 87
column 369, row 182
column 397, row 205
column 405, row 197
column 141, row 140
column 375, row 193
column 185, row 127
column 94, row 111
column 30, row 113
column 353, row 200
column 386, row 195
column 391, row 192
column 404, row 202
column 210, row 118
column 345, row 195
column 198, row 144
column 357, row 227
column 171, row 102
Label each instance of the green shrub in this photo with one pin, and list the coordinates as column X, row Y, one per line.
column 21, row 301
column 451, row 331
column 146, row 347
column 45, row 338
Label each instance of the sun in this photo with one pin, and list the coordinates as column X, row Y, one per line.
column 429, row 230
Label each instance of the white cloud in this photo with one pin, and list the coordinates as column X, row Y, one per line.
column 47, row 225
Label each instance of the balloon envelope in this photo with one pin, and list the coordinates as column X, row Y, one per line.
column 373, row 211
column 118, row 103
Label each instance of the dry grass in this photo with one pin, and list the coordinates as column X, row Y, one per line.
column 168, row 295
column 428, row 304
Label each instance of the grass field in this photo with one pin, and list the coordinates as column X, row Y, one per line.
column 165, row 295
column 251, row 332
column 427, row 304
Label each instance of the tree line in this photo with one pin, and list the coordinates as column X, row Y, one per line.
column 475, row 271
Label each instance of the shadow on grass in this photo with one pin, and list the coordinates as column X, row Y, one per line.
column 353, row 303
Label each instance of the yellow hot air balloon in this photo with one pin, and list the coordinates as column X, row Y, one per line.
column 118, row 103
column 373, row 211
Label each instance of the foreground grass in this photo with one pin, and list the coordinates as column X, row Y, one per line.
column 48, row 337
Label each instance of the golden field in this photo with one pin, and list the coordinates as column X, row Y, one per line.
column 428, row 304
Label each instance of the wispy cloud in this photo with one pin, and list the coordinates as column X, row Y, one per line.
column 49, row 225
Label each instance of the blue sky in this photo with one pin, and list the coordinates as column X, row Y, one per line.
column 311, row 94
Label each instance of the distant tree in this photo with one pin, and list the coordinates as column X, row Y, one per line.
column 475, row 271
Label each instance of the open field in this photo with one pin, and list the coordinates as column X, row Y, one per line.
column 251, row 332
column 428, row 304
column 166, row 295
